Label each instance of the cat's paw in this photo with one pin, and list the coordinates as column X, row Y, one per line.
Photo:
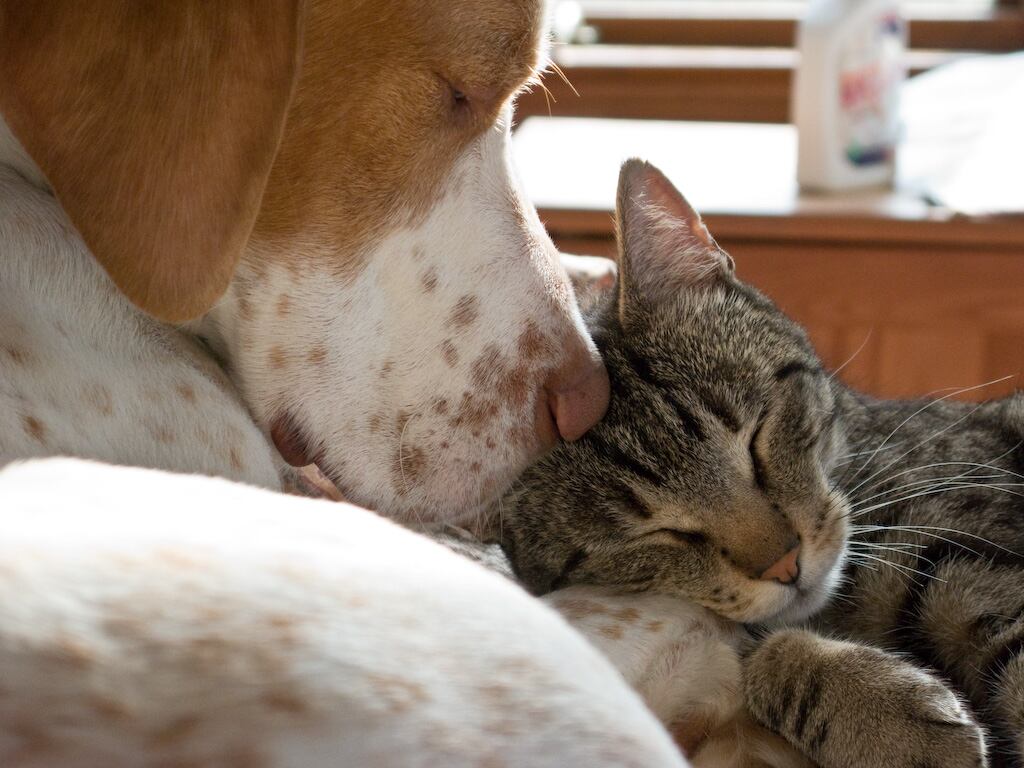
column 925, row 722
column 852, row 706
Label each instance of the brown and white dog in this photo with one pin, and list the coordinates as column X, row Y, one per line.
column 235, row 231
column 325, row 193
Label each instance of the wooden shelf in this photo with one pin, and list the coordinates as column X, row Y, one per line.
column 679, row 82
column 773, row 23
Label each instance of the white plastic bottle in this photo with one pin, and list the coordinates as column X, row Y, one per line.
column 846, row 94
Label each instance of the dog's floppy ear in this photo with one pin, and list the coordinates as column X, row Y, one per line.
column 156, row 123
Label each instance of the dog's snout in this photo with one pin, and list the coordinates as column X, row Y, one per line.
column 578, row 395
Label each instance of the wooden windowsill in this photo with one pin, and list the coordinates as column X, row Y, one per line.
column 973, row 26
column 679, row 82
column 571, row 58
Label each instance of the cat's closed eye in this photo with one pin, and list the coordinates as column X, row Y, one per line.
column 693, row 538
column 755, row 460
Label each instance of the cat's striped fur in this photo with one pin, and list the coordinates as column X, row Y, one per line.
column 725, row 442
column 940, row 502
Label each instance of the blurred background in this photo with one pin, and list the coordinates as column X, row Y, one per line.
column 920, row 282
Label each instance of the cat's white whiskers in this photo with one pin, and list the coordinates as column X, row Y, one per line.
column 906, row 570
column 946, row 488
column 906, row 453
column 847, row 458
column 926, row 530
column 860, row 563
column 893, row 546
column 868, row 547
column 851, row 358
column 921, row 410
column 847, row 466
column 976, row 466
column 935, row 482
column 930, row 483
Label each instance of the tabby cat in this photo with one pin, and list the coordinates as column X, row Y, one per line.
column 868, row 540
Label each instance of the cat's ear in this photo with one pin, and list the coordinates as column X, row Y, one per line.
column 664, row 246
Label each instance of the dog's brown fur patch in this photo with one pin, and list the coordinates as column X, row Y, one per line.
column 119, row 124
column 353, row 66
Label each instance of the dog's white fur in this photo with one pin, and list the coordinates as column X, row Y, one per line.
column 215, row 624
column 397, row 409
column 84, row 373
column 148, row 618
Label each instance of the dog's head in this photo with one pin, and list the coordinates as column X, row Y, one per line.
column 323, row 190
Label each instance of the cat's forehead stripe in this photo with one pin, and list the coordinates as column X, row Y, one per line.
column 724, row 415
column 641, row 368
column 795, row 367
column 614, row 453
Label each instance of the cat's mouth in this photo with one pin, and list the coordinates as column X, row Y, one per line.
column 819, row 582
column 757, row 601
column 821, row 566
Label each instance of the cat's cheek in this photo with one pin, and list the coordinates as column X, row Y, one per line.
column 828, row 585
column 823, row 568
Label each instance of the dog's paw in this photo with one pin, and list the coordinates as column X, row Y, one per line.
column 852, row 706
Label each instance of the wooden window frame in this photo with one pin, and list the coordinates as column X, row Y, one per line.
column 772, row 23
column 729, row 60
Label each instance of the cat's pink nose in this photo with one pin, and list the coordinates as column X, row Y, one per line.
column 578, row 397
column 785, row 570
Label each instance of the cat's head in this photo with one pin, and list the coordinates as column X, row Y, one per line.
column 709, row 476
